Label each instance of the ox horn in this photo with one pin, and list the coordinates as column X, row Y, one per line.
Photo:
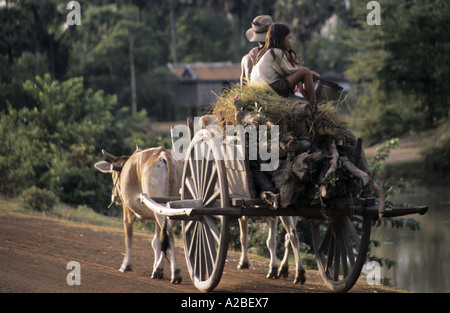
column 109, row 156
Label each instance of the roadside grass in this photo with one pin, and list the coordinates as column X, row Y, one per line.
column 81, row 214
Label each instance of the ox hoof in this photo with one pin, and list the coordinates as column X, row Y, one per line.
column 284, row 272
column 158, row 274
column 300, row 277
column 127, row 268
column 243, row 266
column 272, row 273
column 176, row 278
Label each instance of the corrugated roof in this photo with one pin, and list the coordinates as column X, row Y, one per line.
column 206, row 71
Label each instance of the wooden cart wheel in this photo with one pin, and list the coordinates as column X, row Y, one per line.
column 341, row 246
column 205, row 238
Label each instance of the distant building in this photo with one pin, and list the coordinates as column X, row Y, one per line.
column 198, row 83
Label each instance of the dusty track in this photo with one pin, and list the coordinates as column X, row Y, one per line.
column 34, row 253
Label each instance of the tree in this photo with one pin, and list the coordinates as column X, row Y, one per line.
column 242, row 12
column 203, row 36
column 29, row 28
column 126, row 33
column 54, row 145
column 305, row 17
column 140, row 4
column 114, row 51
column 400, row 67
column 112, row 42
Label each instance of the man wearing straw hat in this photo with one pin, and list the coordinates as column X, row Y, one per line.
column 257, row 33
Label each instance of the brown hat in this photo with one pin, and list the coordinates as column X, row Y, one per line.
column 260, row 26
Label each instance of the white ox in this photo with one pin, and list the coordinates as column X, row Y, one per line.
column 154, row 172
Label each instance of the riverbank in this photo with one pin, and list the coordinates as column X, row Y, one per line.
column 421, row 257
column 406, row 161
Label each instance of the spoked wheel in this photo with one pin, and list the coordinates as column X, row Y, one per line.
column 205, row 238
column 341, row 247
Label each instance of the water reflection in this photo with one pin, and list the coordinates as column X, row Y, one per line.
column 423, row 257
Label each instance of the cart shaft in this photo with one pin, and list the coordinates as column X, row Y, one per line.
column 192, row 208
column 161, row 209
column 400, row 211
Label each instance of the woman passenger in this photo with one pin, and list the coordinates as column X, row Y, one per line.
column 277, row 65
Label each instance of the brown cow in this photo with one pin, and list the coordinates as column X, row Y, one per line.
column 154, row 172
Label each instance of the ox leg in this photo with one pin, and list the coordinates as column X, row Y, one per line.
column 175, row 269
column 271, row 245
column 158, row 265
column 284, row 265
column 128, row 221
column 291, row 233
column 243, row 226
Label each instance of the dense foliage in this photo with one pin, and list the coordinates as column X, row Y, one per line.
column 401, row 69
column 54, row 144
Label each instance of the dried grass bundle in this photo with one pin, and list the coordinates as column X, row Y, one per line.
column 278, row 110
column 328, row 122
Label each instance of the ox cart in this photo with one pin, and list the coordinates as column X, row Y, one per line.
column 215, row 190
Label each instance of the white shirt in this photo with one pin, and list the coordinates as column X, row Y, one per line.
column 269, row 70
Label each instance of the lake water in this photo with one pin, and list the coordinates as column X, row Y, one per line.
column 423, row 257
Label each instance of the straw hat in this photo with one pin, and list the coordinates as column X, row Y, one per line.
column 260, row 26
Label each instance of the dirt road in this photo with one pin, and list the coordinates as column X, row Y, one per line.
column 34, row 253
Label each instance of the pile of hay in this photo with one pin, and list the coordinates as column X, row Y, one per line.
column 261, row 100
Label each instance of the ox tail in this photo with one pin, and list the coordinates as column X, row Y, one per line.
column 165, row 238
column 168, row 160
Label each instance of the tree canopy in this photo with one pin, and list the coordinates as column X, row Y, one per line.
column 400, row 68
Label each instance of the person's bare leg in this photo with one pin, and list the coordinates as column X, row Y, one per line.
column 305, row 76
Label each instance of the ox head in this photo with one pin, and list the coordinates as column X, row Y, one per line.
column 114, row 167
